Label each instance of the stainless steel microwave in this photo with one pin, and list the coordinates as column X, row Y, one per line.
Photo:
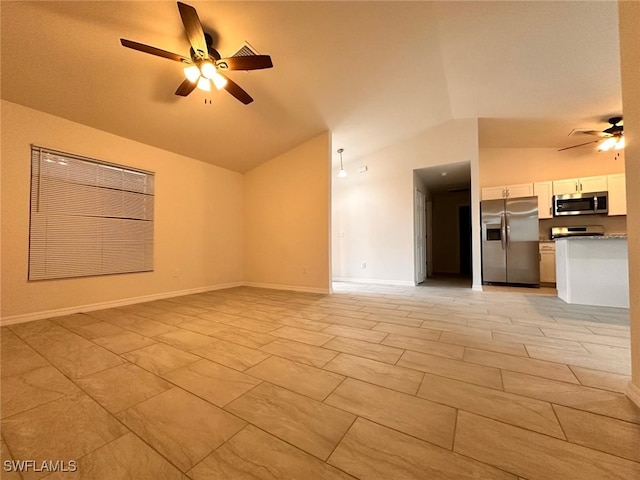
column 580, row 204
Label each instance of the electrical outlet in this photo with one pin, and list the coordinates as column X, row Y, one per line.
column 176, row 273
column 304, row 270
column 364, row 265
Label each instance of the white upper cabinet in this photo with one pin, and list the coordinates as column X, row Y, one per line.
column 617, row 194
column 507, row 191
column 544, row 192
column 580, row 185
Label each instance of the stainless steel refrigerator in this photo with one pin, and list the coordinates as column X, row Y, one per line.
column 510, row 241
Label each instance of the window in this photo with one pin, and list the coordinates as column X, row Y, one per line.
column 88, row 217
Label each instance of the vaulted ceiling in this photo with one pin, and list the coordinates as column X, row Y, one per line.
column 373, row 73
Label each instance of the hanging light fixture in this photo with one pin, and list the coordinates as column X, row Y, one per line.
column 342, row 172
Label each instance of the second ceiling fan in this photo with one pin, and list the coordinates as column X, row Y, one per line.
column 204, row 64
column 613, row 136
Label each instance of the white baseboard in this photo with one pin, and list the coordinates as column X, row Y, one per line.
column 291, row 288
column 28, row 317
column 375, row 281
column 633, row 392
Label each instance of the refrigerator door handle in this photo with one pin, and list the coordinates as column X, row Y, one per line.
column 503, row 231
column 507, row 229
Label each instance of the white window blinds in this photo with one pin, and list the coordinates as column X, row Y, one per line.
column 88, row 217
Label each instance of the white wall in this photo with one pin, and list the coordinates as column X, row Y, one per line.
column 374, row 210
column 198, row 220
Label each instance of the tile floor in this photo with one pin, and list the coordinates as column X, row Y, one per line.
column 371, row 382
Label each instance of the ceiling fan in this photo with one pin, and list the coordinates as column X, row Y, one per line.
column 204, row 64
column 614, row 136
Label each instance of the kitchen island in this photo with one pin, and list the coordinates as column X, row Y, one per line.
column 593, row 270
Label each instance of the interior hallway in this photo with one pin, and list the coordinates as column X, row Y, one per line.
column 369, row 382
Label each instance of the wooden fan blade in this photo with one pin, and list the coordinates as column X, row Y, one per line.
column 193, row 29
column 580, row 145
column 186, row 88
column 249, row 62
column 237, row 91
column 597, row 133
column 141, row 47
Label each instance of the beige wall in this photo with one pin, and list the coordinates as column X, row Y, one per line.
column 287, row 219
column 198, row 218
column 507, row 166
column 373, row 212
column 629, row 13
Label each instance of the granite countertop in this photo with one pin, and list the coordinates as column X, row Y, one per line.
column 606, row 236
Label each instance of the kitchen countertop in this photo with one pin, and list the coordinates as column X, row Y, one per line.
column 608, row 236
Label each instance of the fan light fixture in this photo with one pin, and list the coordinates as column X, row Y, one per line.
column 208, row 69
column 616, row 143
column 219, row 81
column 342, row 173
column 192, row 72
column 204, row 84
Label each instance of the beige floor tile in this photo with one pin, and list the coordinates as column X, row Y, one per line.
column 160, row 358
column 604, row 380
column 147, row 327
column 382, row 353
column 525, row 412
column 446, row 326
column 307, row 424
column 252, row 324
column 349, row 321
column 355, row 333
column 95, row 330
column 303, row 336
column 124, row 342
column 473, row 341
column 394, row 377
column 420, row 418
column 297, row 377
column 565, row 345
column 126, row 458
column 502, row 327
column 541, row 368
column 231, row 354
column 414, row 332
column 300, row 352
column 535, row 456
column 75, row 320
column 180, row 426
column 242, row 336
column 621, row 353
column 587, row 360
column 374, row 452
column 254, row 454
column 452, row 368
column 64, row 429
column 200, row 325
column 16, row 357
column 35, row 387
column 394, row 320
column 588, row 336
column 424, row 346
column 186, row 339
column 611, row 330
column 576, row 396
column 601, row 433
column 78, row 363
column 122, row 387
column 213, row 382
